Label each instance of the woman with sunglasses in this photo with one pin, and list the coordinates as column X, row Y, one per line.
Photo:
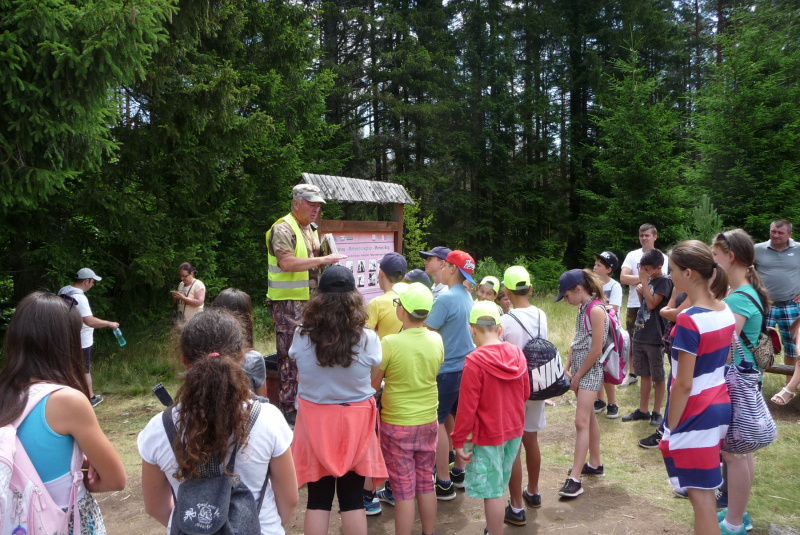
column 335, row 445
column 43, row 354
column 191, row 294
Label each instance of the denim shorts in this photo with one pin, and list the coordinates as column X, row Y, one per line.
column 489, row 469
column 449, row 385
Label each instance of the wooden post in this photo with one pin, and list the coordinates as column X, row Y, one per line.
column 397, row 216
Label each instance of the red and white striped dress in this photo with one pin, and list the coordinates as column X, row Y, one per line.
column 691, row 450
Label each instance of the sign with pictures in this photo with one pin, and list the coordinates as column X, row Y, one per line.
column 364, row 252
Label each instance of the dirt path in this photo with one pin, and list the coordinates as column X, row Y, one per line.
column 607, row 506
column 602, row 509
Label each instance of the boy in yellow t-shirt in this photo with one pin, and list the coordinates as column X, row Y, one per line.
column 409, row 425
column 381, row 316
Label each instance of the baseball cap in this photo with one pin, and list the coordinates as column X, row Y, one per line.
column 567, row 281
column 337, row 279
column 415, row 298
column 491, row 282
column 394, row 264
column 516, row 278
column 417, row 275
column 309, row 192
column 438, row 252
column 484, row 309
column 464, row 263
column 86, row 273
column 608, row 258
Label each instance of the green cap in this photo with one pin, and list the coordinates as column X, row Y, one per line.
column 491, row 282
column 484, row 309
column 516, row 278
column 415, row 298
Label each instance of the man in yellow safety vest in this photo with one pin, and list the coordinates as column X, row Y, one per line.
column 294, row 259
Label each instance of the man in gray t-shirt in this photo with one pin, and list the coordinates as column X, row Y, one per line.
column 778, row 264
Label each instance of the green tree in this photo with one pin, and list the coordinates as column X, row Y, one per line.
column 637, row 163
column 748, row 120
column 705, row 224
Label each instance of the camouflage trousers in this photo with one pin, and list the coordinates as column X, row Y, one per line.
column 286, row 315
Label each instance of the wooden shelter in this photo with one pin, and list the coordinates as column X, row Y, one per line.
column 356, row 190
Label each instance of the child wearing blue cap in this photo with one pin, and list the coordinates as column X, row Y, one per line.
column 581, row 287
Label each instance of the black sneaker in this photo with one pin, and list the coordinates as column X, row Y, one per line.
column 457, row 479
column 291, row 418
column 516, row 519
column 533, row 500
column 722, row 499
column 96, row 400
column 656, row 419
column 571, row 489
column 447, row 493
column 612, row 411
column 599, row 405
column 636, row 415
column 589, row 471
column 651, row 442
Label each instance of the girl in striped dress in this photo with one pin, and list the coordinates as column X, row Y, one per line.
column 699, row 408
column 584, row 289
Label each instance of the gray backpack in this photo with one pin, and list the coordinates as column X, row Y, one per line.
column 215, row 503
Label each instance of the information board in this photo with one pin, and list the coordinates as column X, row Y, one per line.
column 364, row 251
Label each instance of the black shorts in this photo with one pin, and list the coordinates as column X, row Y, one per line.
column 87, row 358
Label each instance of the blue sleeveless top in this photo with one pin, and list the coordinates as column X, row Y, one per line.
column 49, row 452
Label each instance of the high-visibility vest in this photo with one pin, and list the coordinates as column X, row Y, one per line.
column 288, row 285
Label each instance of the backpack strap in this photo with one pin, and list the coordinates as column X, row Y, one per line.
column 593, row 303
column 521, row 325
column 36, row 393
column 743, row 336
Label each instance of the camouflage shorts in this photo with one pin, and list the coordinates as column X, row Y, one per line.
column 286, row 315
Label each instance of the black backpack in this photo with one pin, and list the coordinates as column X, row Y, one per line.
column 543, row 357
column 215, row 503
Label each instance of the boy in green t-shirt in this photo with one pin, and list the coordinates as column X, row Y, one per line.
column 409, row 425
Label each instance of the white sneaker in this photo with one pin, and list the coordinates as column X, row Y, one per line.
column 629, row 380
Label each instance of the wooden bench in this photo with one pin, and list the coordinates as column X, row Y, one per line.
column 782, row 369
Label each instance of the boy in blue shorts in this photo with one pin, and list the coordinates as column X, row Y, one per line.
column 409, row 426
column 491, row 413
column 450, row 318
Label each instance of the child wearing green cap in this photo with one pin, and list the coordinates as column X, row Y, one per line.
column 494, row 387
column 487, row 289
column 520, row 325
column 409, row 425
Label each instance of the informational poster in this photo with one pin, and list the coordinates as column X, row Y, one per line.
column 364, row 251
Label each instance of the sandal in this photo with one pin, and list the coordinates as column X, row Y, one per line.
column 779, row 399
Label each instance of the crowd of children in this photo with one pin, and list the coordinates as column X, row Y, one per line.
column 442, row 378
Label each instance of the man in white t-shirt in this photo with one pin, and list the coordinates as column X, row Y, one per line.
column 648, row 234
column 434, row 264
column 522, row 323
column 84, row 282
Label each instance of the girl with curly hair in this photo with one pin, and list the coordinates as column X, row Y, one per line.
column 212, row 414
column 335, row 444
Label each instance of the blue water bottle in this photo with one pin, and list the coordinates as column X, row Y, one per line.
column 120, row 338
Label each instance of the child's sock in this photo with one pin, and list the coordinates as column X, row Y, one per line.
column 515, row 510
column 730, row 526
column 575, row 480
column 443, row 483
column 590, row 466
column 457, row 471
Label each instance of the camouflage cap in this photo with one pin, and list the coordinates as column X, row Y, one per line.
column 309, row 192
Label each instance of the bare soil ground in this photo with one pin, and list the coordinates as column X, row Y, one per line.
column 608, row 506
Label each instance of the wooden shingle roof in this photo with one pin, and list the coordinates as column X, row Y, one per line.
column 342, row 188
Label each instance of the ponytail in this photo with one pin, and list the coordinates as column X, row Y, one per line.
column 593, row 285
column 697, row 256
column 215, row 393
column 739, row 242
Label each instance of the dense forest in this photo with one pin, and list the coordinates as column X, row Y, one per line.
column 138, row 134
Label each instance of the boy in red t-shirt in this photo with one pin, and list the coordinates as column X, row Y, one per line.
column 491, row 412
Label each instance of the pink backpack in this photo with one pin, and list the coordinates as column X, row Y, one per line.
column 617, row 347
column 25, row 505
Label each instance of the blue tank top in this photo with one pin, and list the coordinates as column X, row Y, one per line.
column 49, row 452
